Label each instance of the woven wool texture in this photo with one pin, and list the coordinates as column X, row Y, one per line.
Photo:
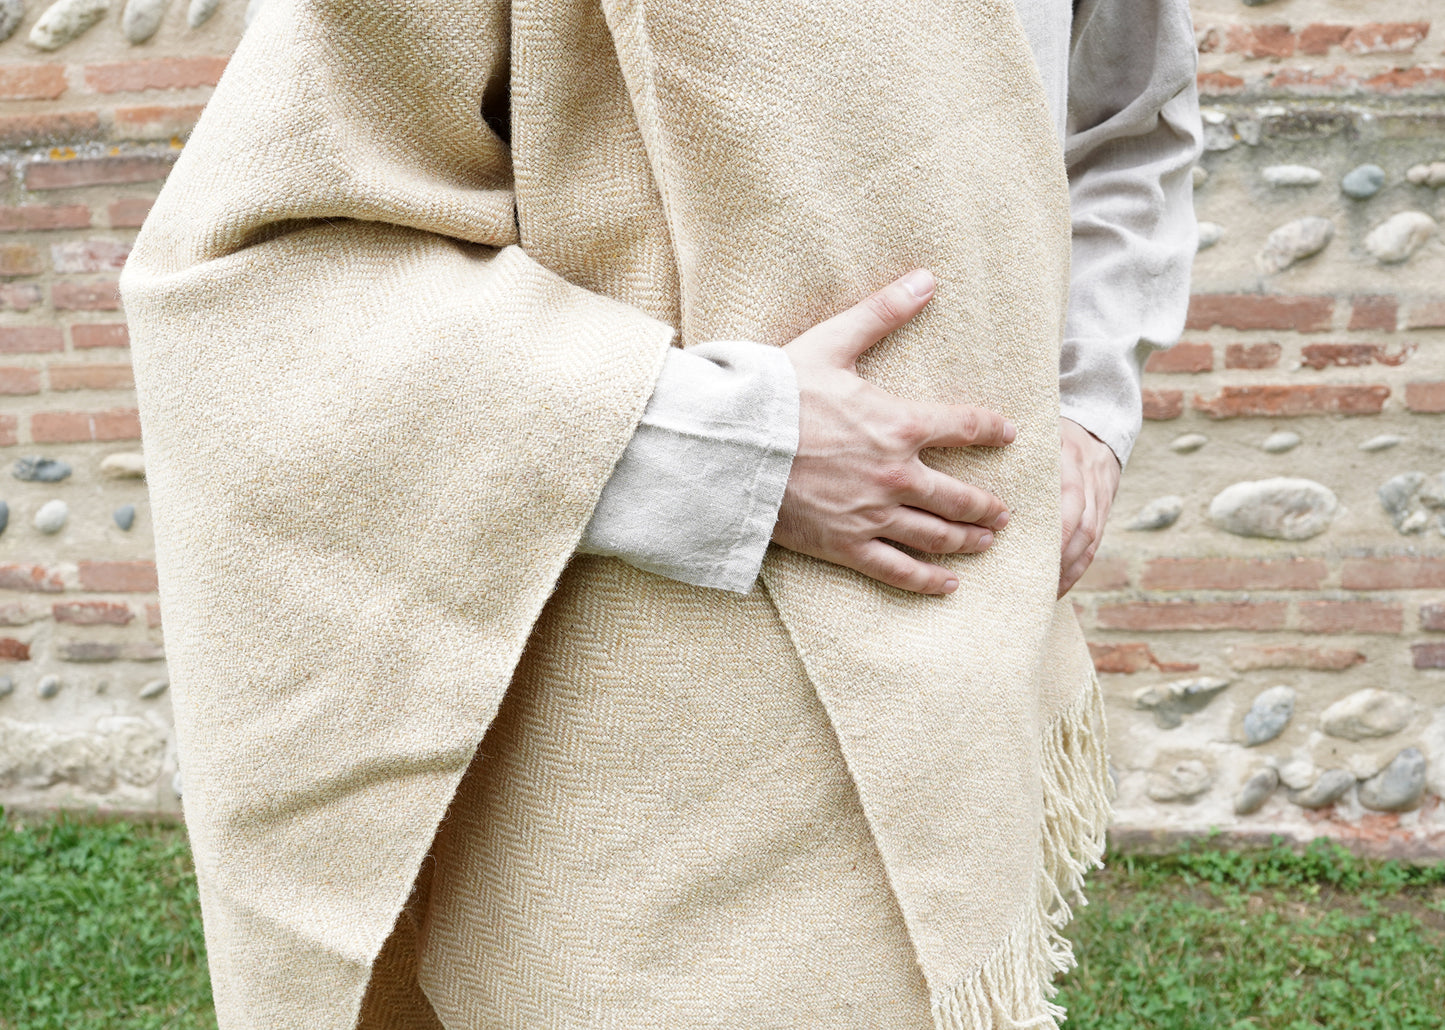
column 385, row 363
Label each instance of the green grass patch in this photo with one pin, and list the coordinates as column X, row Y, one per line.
column 100, row 930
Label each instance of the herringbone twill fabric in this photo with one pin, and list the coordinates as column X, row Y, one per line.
column 385, row 363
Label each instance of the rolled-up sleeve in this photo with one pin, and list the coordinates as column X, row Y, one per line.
column 1133, row 135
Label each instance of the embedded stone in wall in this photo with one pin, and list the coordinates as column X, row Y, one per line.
column 1363, row 182
column 1332, row 785
column 1400, row 497
column 136, row 746
column 1160, row 513
column 1268, row 715
column 127, row 465
column 155, row 688
column 7, row 686
column 1432, row 175
column 1297, row 774
column 1280, row 509
column 12, row 13
column 1399, row 786
column 199, row 12
column 51, row 516
column 1170, row 702
column 124, row 516
column 1256, row 791
column 1199, row 176
column 34, row 469
column 142, row 18
column 1432, row 492
column 48, row 686
column 1368, row 713
column 36, row 756
column 1210, row 233
column 1293, row 242
column 1179, row 779
column 1292, row 175
column 4, row 516
column 64, row 20
column 1188, row 443
column 1278, row 443
column 1398, row 237
column 1383, row 442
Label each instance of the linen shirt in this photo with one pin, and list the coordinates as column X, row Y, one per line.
column 696, row 494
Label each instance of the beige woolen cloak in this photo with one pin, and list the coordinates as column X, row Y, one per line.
column 385, row 362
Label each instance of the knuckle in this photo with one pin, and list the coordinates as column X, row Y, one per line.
column 876, row 518
column 895, row 478
column 969, row 423
column 911, row 431
column 883, row 307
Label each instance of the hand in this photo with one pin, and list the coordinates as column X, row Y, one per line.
column 1090, row 474
column 857, row 481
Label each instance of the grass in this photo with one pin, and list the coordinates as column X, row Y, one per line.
column 100, row 930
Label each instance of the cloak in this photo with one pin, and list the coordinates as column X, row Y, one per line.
column 395, row 315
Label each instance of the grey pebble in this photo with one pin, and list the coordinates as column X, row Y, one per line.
column 124, row 516
column 1292, row 175
column 4, row 516
column 12, row 13
column 1182, row 781
column 1399, row 786
column 1188, row 443
column 1297, row 774
column 7, row 686
column 1332, row 785
column 1160, row 513
column 48, row 686
column 1256, row 791
column 1397, row 495
column 1199, row 176
column 1278, row 509
column 1278, row 443
column 1363, row 181
column 1293, row 242
column 1399, row 236
column 1432, row 491
column 64, row 20
column 1269, row 715
column 142, row 18
column 1368, row 713
column 1170, row 702
column 155, row 688
column 51, row 516
column 1210, row 233
column 200, row 11
column 34, row 469
column 1383, row 442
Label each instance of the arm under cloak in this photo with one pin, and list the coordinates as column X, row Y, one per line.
column 375, row 430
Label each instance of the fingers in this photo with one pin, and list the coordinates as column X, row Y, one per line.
column 891, row 566
column 951, row 499
column 955, row 425
column 848, row 334
column 924, row 532
column 1081, row 530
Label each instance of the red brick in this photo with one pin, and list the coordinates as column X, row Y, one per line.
column 30, row 339
column 94, row 255
column 75, row 426
column 20, row 296
column 1122, row 658
column 1234, row 574
column 28, row 130
column 1352, row 355
column 1374, row 312
column 118, row 577
column 1260, row 311
column 1432, row 616
column 1308, row 82
column 156, row 121
column 1428, row 314
column 158, row 73
column 96, row 171
column 17, row 380
column 1162, row 405
column 153, row 613
column 1251, row 355
column 12, row 650
column 1236, row 401
column 102, row 295
column 9, row 430
column 1219, row 83
column 87, row 650
column 30, row 577
column 103, row 335
column 1425, row 398
column 1329, row 659
column 1351, row 617
column 18, row 615
column 1182, row 357
column 129, row 212
column 32, row 217
column 1193, row 615
column 92, row 613
column 1402, row 573
column 19, row 259
column 32, row 81
column 91, row 376
column 1259, row 40
column 1318, row 38
column 1110, row 573
column 1428, row 656
column 1402, row 80
column 1383, row 38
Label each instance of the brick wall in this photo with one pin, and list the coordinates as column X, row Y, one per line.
column 1315, row 354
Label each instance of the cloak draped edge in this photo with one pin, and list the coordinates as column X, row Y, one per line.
column 385, row 364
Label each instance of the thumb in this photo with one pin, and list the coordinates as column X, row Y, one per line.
column 845, row 336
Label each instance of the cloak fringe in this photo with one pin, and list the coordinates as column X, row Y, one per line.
column 1015, row 986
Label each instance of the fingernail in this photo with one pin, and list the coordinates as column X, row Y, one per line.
column 950, row 585
column 1001, row 521
column 1009, row 432
column 920, row 283
column 985, row 539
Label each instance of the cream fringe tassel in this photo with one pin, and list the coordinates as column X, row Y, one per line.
column 1013, row 987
